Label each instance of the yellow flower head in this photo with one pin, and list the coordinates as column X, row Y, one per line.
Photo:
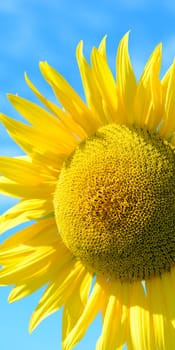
column 98, row 183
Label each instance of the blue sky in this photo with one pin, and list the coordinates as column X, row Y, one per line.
column 34, row 30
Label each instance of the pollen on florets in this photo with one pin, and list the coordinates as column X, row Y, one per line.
column 114, row 203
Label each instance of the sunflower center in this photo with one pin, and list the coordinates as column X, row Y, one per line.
column 115, row 203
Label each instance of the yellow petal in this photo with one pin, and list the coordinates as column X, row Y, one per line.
column 90, row 311
column 153, row 287
column 25, row 210
column 14, row 254
column 168, row 293
column 21, row 170
column 111, row 321
column 32, row 234
column 75, row 305
column 30, row 190
column 34, row 143
column 141, row 327
column 66, row 119
column 165, row 80
column 30, row 277
column 27, row 265
column 115, row 318
column 147, row 105
column 70, row 99
column 156, row 91
column 23, row 290
column 57, row 293
column 106, row 84
column 102, row 48
column 91, row 89
column 40, row 119
column 125, row 78
column 168, row 124
column 164, row 332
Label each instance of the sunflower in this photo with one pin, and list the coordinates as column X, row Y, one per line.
column 96, row 190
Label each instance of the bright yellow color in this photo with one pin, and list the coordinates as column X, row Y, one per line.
column 114, row 203
column 138, row 313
